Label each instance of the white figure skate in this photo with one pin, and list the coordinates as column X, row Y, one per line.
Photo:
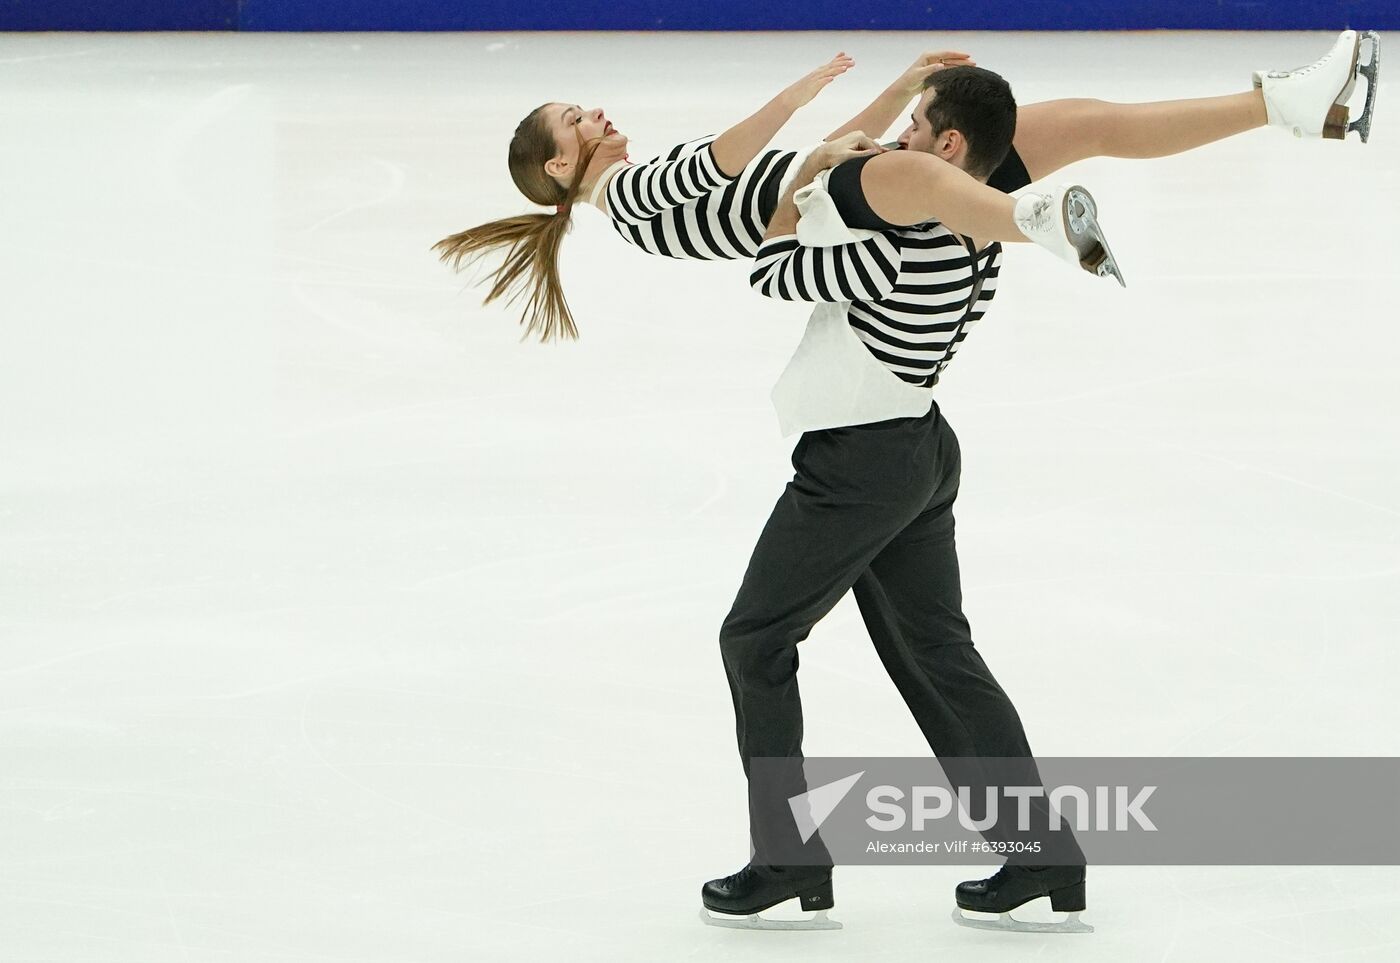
column 1063, row 219
column 1311, row 101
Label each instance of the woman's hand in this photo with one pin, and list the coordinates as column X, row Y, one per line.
column 801, row 93
column 846, row 147
column 912, row 80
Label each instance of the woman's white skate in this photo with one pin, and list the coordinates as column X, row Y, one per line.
column 1064, row 220
column 1311, row 101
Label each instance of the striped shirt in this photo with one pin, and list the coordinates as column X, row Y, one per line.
column 683, row 206
column 909, row 287
column 911, row 290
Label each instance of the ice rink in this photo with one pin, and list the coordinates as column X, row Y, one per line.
column 337, row 624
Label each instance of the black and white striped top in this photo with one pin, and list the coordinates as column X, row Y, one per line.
column 682, row 205
column 909, row 287
column 910, row 290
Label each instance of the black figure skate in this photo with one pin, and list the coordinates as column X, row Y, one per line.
column 742, row 896
column 1014, row 885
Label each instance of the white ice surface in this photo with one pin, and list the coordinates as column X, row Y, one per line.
column 338, row 625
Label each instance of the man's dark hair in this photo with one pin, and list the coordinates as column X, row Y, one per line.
column 978, row 104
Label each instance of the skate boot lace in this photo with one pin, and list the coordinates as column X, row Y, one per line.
column 740, row 876
column 1302, row 71
column 1000, row 876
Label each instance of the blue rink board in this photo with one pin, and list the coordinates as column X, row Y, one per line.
column 822, row 15
column 123, row 14
column 338, row 15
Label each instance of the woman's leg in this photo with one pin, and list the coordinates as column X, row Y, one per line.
column 1310, row 101
column 1056, row 133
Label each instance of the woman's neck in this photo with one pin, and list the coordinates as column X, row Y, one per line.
column 596, row 192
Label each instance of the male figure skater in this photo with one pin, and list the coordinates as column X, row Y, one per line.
column 870, row 504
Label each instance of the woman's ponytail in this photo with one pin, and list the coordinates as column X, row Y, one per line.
column 531, row 241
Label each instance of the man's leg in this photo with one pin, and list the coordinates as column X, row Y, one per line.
column 853, row 490
column 911, row 601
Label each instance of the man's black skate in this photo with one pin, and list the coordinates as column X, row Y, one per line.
column 1014, row 885
column 753, row 889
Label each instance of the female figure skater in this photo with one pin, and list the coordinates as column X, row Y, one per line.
column 709, row 198
column 712, row 198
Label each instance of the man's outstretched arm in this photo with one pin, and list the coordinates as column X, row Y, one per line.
column 904, row 188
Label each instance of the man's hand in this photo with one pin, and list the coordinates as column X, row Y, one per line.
column 828, row 155
column 801, row 93
column 912, row 80
column 836, row 152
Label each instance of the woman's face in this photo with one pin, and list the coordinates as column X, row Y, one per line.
column 572, row 127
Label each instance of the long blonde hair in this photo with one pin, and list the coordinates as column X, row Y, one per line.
column 531, row 265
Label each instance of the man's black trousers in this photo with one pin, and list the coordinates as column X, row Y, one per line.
column 870, row 508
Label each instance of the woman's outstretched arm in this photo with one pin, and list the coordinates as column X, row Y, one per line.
column 882, row 112
column 638, row 193
column 740, row 144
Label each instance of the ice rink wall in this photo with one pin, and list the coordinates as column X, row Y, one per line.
column 702, row 15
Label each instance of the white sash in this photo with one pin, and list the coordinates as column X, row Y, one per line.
column 832, row 379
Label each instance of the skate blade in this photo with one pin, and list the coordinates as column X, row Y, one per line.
column 1371, row 70
column 1006, row 923
column 817, row 921
column 1081, row 216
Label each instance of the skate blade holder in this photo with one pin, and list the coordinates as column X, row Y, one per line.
column 1081, row 213
column 1335, row 127
column 1371, row 70
column 817, row 921
column 1006, row 923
